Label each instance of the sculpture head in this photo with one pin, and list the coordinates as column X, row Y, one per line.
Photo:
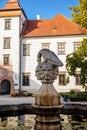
column 47, row 68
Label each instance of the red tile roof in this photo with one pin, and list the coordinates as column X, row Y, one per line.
column 12, row 4
column 59, row 25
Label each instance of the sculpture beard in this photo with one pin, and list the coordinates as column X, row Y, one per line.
column 46, row 71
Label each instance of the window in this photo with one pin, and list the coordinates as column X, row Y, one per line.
column 26, row 80
column 78, row 79
column 76, row 45
column 26, row 49
column 62, row 79
column 6, row 59
column 6, row 43
column 45, row 45
column 7, row 24
column 61, row 48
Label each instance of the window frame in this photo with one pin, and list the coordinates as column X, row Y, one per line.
column 6, row 59
column 45, row 45
column 7, row 24
column 62, row 79
column 78, row 79
column 7, row 40
column 61, row 48
column 26, row 49
column 76, row 45
column 26, row 82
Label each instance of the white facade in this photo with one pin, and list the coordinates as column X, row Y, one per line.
column 14, row 50
column 14, row 44
column 29, row 63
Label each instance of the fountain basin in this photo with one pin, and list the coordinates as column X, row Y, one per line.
column 15, row 109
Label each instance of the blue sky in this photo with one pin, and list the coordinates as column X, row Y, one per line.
column 45, row 8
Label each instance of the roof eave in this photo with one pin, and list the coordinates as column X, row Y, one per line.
column 52, row 35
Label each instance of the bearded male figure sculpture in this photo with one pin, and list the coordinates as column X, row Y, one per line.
column 47, row 60
column 47, row 101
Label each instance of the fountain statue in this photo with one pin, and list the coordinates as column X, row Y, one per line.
column 47, row 105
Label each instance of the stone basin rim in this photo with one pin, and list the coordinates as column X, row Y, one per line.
column 48, row 107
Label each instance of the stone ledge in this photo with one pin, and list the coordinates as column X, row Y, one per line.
column 26, row 108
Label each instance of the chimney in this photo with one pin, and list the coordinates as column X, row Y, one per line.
column 38, row 17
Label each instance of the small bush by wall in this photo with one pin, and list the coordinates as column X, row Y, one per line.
column 75, row 96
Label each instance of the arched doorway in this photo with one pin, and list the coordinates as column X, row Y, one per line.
column 5, row 87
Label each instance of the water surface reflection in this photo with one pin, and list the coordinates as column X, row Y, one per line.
column 26, row 122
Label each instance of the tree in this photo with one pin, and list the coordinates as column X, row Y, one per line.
column 79, row 14
column 78, row 59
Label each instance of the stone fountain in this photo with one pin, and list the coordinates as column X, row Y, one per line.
column 47, row 105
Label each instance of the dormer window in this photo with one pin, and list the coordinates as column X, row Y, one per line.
column 7, row 24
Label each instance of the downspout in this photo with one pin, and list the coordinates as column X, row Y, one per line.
column 20, row 65
column 24, row 25
column 20, row 38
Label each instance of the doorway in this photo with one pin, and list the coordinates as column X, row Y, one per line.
column 5, row 87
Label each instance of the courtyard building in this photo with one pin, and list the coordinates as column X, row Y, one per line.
column 20, row 41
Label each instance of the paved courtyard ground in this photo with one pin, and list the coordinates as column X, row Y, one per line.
column 7, row 100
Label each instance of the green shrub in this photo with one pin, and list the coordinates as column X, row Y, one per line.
column 72, row 91
column 79, row 96
column 29, row 94
column 75, row 96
